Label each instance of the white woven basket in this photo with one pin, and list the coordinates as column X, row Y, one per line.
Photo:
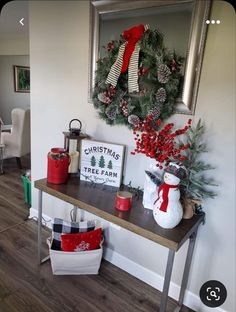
column 75, row 263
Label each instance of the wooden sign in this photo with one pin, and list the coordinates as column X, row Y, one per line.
column 101, row 162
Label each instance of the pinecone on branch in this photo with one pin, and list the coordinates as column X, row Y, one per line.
column 104, row 98
column 111, row 112
column 125, row 111
column 124, row 107
column 134, row 120
column 155, row 112
column 163, row 73
column 161, row 95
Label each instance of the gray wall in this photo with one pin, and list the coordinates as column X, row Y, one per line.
column 10, row 99
column 164, row 23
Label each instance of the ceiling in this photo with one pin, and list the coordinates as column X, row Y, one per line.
column 10, row 17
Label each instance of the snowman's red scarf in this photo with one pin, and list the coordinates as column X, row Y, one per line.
column 165, row 188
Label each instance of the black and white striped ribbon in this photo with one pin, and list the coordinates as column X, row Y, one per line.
column 133, row 70
column 115, row 71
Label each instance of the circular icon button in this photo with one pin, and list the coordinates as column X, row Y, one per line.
column 213, row 294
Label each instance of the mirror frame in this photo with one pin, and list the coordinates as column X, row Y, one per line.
column 194, row 53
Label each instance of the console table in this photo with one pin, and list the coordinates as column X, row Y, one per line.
column 99, row 200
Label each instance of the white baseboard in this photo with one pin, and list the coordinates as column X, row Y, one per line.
column 156, row 281
column 153, row 279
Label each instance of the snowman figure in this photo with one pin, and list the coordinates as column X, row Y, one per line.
column 167, row 209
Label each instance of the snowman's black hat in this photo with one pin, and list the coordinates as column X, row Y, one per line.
column 177, row 170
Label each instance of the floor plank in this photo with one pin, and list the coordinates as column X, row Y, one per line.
column 12, row 206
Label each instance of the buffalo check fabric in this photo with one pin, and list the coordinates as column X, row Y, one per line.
column 60, row 226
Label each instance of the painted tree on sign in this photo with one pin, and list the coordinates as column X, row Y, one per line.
column 101, row 163
column 93, row 161
column 110, row 166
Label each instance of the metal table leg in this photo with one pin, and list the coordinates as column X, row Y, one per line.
column 169, row 266
column 74, row 214
column 188, row 261
column 1, row 159
column 40, row 198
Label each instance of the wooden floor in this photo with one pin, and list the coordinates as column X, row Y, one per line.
column 25, row 287
column 12, row 207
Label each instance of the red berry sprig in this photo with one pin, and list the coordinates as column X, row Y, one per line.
column 160, row 145
column 143, row 71
column 110, row 46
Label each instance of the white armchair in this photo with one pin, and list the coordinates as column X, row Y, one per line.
column 17, row 142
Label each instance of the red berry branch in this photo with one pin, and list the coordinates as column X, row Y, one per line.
column 161, row 145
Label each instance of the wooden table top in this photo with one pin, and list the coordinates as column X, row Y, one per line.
column 100, row 200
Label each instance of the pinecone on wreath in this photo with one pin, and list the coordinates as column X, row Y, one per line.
column 104, row 98
column 134, row 120
column 161, row 95
column 163, row 73
column 125, row 111
column 155, row 112
column 124, row 107
column 111, row 112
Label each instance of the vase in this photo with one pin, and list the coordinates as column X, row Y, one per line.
column 150, row 187
column 189, row 207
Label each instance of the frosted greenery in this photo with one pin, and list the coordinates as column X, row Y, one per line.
column 197, row 184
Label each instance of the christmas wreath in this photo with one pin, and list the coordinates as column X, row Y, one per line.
column 137, row 77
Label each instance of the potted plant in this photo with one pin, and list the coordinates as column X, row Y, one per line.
column 196, row 186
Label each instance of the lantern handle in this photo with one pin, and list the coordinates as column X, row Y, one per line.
column 80, row 123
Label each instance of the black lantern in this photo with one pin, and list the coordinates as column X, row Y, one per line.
column 73, row 137
column 72, row 144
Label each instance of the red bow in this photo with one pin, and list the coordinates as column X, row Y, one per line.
column 131, row 36
column 165, row 187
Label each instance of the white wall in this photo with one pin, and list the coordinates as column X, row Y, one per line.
column 14, row 37
column 59, row 47
column 14, row 46
column 14, row 50
column 10, row 99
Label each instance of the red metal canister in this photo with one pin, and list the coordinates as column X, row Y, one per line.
column 58, row 163
column 123, row 200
